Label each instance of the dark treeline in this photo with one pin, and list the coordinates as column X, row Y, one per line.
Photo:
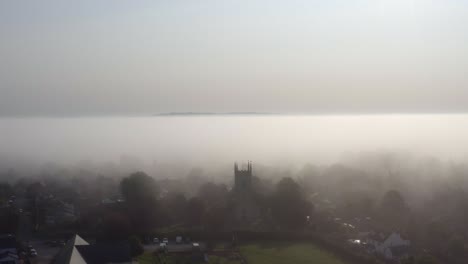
column 424, row 199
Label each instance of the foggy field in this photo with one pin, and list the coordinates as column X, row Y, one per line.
column 287, row 252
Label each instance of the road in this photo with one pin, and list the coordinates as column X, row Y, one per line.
column 25, row 228
column 25, row 235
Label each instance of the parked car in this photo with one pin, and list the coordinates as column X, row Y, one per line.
column 165, row 240
column 32, row 253
column 156, row 240
column 195, row 247
column 162, row 247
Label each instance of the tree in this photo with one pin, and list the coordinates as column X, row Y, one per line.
column 5, row 191
column 139, row 187
column 174, row 206
column 136, row 248
column 435, row 232
column 213, row 194
column 393, row 210
column 141, row 194
column 356, row 204
column 393, row 201
column 215, row 218
column 115, row 226
column 34, row 189
column 195, row 211
column 456, row 248
column 288, row 206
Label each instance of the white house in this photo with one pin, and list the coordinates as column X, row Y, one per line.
column 391, row 247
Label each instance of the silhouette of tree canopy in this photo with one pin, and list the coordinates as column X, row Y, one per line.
column 213, row 194
column 141, row 193
column 136, row 248
column 393, row 211
column 195, row 211
column 215, row 218
column 139, row 187
column 5, row 191
column 115, row 226
column 288, row 206
column 393, row 200
column 356, row 204
column 34, row 189
column 174, row 207
column 456, row 248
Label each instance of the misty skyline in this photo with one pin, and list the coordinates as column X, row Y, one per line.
column 147, row 57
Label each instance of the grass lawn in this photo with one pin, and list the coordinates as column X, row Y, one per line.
column 150, row 258
column 146, row 258
column 221, row 260
column 263, row 253
column 284, row 252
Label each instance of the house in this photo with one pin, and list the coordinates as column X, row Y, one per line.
column 58, row 212
column 8, row 250
column 79, row 251
column 391, row 247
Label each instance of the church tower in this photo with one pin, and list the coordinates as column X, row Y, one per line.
column 245, row 208
column 243, row 178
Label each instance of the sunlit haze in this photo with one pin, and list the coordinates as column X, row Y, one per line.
column 62, row 58
column 233, row 131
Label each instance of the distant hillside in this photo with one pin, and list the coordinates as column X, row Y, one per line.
column 210, row 113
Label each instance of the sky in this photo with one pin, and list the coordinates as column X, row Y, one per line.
column 114, row 57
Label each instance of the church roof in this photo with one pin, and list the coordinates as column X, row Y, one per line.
column 79, row 251
column 69, row 253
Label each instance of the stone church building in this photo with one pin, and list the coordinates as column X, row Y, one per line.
column 244, row 200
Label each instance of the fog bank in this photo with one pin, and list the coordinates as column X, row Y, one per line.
column 209, row 141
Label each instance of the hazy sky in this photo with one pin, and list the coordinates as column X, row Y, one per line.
column 142, row 57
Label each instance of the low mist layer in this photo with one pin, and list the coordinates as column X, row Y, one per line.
column 209, row 140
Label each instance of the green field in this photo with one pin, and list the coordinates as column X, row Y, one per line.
column 146, row 258
column 265, row 253
column 220, row 260
column 291, row 253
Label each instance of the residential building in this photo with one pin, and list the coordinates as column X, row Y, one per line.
column 79, row 251
column 391, row 247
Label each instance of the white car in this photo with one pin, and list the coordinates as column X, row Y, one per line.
column 32, row 253
column 195, row 247
column 166, row 241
